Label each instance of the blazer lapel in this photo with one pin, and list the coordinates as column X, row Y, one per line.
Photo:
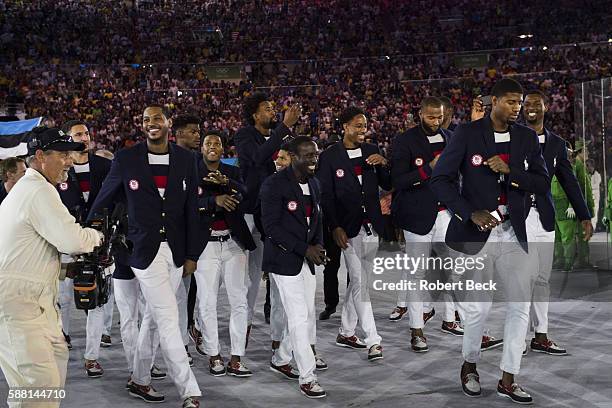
column 346, row 160
column 174, row 181
column 423, row 141
column 297, row 190
column 488, row 136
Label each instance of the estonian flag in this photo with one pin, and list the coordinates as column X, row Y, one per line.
column 12, row 137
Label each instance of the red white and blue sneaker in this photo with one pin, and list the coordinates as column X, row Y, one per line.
column 547, row 346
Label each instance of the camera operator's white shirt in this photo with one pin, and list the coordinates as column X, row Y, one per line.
column 34, row 227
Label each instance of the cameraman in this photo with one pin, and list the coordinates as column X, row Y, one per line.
column 35, row 226
column 77, row 193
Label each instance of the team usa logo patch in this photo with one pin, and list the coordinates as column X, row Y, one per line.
column 292, row 205
column 476, row 160
column 339, row 173
column 133, row 185
column 418, row 161
column 63, row 186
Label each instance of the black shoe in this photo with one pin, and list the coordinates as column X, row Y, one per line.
column 326, row 313
column 156, row 373
column 146, row 393
column 427, row 316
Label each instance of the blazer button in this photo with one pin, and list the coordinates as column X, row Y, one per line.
column 163, row 214
column 498, row 198
column 161, row 231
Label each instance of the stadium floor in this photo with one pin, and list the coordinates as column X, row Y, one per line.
column 403, row 378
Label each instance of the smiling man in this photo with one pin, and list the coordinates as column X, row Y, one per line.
column 225, row 239
column 291, row 218
column 159, row 182
column 351, row 173
column 541, row 218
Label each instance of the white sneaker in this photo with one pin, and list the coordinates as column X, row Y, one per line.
column 320, row 363
column 419, row 344
column 216, row 367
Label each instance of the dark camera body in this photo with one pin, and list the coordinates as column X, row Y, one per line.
column 91, row 280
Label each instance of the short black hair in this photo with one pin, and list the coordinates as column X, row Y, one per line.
column 505, row 86
column 431, row 102
column 349, row 113
column 164, row 109
column 294, row 145
column 214, row 132
column 539, row 93
column 251, row 104
column 446, row 102
column 66, row 126
column 181, row 121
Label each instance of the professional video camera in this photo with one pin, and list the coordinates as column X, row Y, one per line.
column 92, row 278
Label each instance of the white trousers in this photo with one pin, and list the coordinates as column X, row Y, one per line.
column 159, row 284
column 506, row 261
column 33, row 351
column 278, row 318
column 255, row 258
column 359, row 258
column 131, row 304
column 419, row 246
column 297, row 297
column 223, row 262
column 182, row 293
column 541, row 252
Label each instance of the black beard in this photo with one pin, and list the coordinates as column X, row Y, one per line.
column 427, row 130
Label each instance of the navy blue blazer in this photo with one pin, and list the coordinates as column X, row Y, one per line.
column 255, row 158
column 342, row 193
column 70, row 191
column 150, row 216
column 557, row 164
column 207, row 206
column 283, row 214
column 472, row 144
column 414, row 207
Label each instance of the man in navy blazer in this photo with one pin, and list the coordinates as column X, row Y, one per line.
column 351, row 173
column 541, row 218
column 291, row 217
column 417, row 211
column 225, row 239
column 257, row 144
column 77, row 193
column 500, row 164
column 159, row 180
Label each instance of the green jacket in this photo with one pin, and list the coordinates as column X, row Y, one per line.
column 561, row 201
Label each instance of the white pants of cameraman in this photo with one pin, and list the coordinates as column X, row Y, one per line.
column 130, row 304
column 33, row 351
column 95, row 324
column 541, row 252
column 227, row 262
column 359, row 258
column 159, row 284
column 255, row 258
column 419, row 246
column 297, row 294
